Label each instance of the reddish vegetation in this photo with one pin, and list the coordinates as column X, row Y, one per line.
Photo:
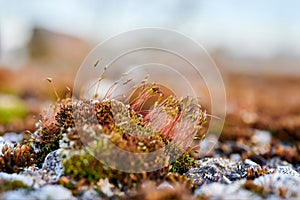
column 268, row 103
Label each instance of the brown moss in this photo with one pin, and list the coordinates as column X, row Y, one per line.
column 256, row 171
column 149, row 190
column 14, row 159
column 250, row 185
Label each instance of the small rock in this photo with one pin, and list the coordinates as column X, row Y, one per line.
column 235, row 157
column 250, row 162
column 53, row 166
column 165, row 185
column 52, row 169
column 261, row 137
column 217, row 170
column 287, row 170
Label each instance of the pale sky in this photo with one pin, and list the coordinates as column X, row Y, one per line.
column 246, row 28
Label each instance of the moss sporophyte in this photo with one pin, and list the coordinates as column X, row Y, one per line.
column 147, row 120
column 137, row 124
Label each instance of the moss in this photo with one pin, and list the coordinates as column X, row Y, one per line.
column 47, row 141
column 88, row 168
column 256, row 171
column 183, row 163
column 250, row 185
column 85, row 166
column 6, row 185
column 154, row 132
column 64, row 116
column 176, row 178
column 50, row 129
column 15, row 158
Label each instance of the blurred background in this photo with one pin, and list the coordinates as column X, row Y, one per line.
column 255, row 44
column 238, row 32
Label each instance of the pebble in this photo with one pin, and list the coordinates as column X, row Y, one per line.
column 52, row 169
column 218, row 178
column 250, row 162
column 218, row 170
column 261, row 137
column 287, row 170
column 235, row 157
column 53, row 166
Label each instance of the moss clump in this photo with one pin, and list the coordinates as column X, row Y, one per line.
column 256, row 171
column 183, row 163
column 7, row 185
column 88, row 168
column 13, row 159
column 171, row 123
column 85, row 167
column 51, row 128
column 64, row 116
column 46, row 140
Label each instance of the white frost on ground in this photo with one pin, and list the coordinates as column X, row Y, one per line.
column 225, row 191
column 281, row 185
column 3, row 142
column 47, row 192
column 17, row 177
